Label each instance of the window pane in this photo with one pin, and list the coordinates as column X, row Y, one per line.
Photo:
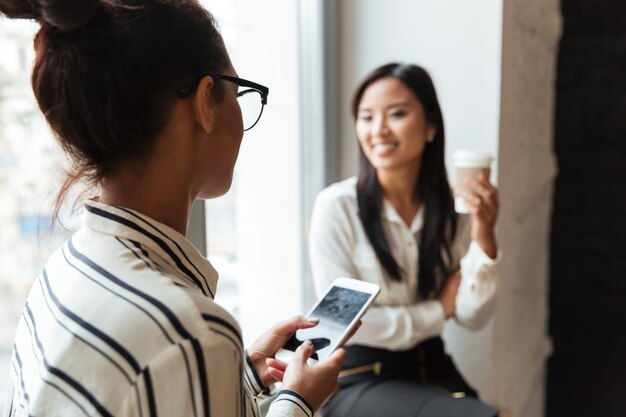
column 31, row 169
column 254, row 233
column 222, row 248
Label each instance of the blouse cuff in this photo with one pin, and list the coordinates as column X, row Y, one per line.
column 476, row 259
column 253, row 378
column 287, row 400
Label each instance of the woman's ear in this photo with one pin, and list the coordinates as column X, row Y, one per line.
column 431, row 131
column 204, row 104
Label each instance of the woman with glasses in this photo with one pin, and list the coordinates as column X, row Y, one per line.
column 395, row 225
column 143, row 98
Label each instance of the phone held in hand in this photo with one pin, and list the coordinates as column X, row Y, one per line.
column 339, row 311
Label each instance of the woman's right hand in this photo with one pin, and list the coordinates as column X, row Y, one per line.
column 315, row 383
column 447, row 296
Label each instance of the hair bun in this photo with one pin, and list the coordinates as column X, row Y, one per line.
column 66, row 14
column 20, row 9
column 62, row 14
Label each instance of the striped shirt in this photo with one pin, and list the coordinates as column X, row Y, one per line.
column 122, row 322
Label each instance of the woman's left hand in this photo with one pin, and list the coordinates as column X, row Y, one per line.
column 484, row 206
column 271, row 341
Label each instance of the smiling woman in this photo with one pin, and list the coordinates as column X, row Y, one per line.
column 395, row 226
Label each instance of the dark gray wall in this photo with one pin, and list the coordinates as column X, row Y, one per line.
column 587, row 372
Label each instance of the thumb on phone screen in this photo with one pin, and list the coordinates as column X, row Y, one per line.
column 315, row 383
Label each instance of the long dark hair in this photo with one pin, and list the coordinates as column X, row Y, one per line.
column 432, row 188
column 106, row 73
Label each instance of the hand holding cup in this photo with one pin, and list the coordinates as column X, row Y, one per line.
column 477, row 196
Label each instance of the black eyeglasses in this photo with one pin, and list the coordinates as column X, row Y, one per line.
column 252, row 100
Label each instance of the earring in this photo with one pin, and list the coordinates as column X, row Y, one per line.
column 431, row 139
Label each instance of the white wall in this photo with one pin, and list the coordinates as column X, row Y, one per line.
column 459, row 43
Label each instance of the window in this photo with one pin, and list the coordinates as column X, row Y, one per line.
column 30, row 171
column 254, row 233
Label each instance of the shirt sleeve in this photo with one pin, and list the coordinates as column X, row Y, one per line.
column 289, row 403
column 331, row 241
column 252, row 380
column 400, row 327
column 192, row 378
column 286, row 403
column 202, row 377
column 475, row 300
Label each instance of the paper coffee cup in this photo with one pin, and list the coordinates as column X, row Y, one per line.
column 469, row 164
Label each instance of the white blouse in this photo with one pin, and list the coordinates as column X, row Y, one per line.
column 398, row 320
column 122, row 322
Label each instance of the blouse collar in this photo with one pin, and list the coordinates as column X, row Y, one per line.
column 170, row 245
column 391, row 214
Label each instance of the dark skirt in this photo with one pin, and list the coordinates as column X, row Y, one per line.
column 420, row 382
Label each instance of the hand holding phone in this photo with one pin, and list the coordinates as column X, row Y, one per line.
column 339, row 312
column 314, row 383
column 271, row 341
column 276, row 369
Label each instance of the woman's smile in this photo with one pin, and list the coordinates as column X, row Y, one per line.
column 383, row 149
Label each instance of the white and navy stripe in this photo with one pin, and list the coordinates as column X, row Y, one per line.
column 122, row 322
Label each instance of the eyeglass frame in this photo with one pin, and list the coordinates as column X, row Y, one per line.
column 261, row 89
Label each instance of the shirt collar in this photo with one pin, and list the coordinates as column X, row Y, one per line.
column 391, row 214
column 173, row 247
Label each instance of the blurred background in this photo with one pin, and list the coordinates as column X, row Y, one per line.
column 540, row 84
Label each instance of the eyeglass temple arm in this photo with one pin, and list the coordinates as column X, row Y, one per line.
column 246, row 83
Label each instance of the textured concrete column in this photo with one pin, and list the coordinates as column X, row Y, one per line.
column 531, row 30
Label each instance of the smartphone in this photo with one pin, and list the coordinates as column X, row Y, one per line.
column 339, row 311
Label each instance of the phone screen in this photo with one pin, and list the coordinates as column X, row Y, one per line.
column 336, row 311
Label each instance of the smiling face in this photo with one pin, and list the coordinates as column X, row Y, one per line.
column 391, row 126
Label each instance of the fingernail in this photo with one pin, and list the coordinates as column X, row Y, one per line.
column 308, row 343
column 313, row 319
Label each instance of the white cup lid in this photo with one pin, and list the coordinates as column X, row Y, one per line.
column 465, row 158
